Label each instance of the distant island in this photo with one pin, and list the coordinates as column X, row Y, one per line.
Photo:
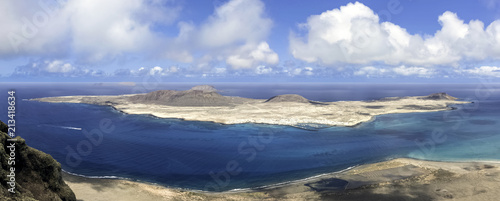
column 204, row 103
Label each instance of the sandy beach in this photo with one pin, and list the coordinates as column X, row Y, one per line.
column 397, row 179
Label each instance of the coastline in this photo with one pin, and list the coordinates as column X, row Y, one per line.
column 401, row 178
column 394, row 179
column 260, row 111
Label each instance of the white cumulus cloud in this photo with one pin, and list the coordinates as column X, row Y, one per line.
column 237, row 31
column 250, row 55
column 146, row 71
column 156, row 70
column 299, row 71
column 51, row 68
column 354, row 34
column 263, row 70
column 413, row 71
column 58, row 66
column 483, row 71
column 371, row 71
column 92, row 30
column 237, row 21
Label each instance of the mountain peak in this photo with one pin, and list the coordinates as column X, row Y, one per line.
column 204, row 88
column 287, row 98
column 439, row 96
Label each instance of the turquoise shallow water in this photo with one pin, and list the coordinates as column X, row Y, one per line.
column 209, row 156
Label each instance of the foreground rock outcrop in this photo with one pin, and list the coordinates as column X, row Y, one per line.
column 37, row 174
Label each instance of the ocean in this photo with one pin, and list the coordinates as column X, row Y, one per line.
column 98, row 141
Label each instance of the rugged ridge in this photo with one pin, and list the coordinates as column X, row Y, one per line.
column 38, row 175
column 288, row 98
column 202, row 95
column 439, row 96
column 205, row 88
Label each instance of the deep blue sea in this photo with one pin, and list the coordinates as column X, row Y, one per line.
column 99, row 141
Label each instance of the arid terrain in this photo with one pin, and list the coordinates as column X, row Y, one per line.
column 203, row 103
column 397, row 179
column 394, row 180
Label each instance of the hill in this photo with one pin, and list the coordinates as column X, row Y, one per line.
column 439, row 96
column 287, row 98
column 202, row 95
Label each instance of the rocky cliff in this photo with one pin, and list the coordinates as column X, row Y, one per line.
column 37, row 174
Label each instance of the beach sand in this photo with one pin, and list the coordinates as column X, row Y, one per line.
column 398, row 179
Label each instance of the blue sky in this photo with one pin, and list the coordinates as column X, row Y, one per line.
column 250, row 40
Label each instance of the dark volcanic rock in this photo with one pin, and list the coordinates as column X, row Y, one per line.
column 421, row 107
column 3, row 127
column 374, row 106
column 204, row 88
column 288, row 98
column 38, row 175
column 439, row 96
column 202, row 95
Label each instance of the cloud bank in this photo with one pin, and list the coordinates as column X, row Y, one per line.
column 89, row 30
column 353, row 34
column 70, row 38
column 92, row 32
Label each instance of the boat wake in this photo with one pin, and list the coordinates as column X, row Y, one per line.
column 63, row 127
column 71, row 128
